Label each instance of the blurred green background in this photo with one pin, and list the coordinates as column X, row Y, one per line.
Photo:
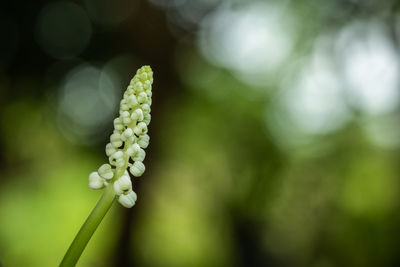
column 275, row 136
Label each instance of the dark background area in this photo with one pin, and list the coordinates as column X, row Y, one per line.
column 275, row 132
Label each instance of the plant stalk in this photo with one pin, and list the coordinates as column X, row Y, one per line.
column 89, row 227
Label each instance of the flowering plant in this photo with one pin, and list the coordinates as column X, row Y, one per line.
column 125, row 151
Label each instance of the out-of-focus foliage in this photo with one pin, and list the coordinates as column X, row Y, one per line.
column 275, row 132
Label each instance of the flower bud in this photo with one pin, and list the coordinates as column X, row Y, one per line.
column 122, row 185
column 127, row 134
column 106, row 172
column 140, row 155
column 125, row 116
column 115, row 140
column 118, row 124
column 138, row 87
column 110, row 149
column 132, row 101
column 117, row 159
column 137, row 168
column 133, row 149
column 142, row 97
column 119, row 163
column 147, row 85
column 143, row 141
column 129, row 90
column 143, row 76
column 149, row 93
column 134, row 80
column 127, row 200
column 95, row 181
column 146, row 108
column 147, row 118
column 124, row 105
column 140, row 129
column 137, row 115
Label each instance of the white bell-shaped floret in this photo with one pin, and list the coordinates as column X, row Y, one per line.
column 117, row 159
column 128, row 200
column 140, row 129
column 125, row 117
column 133, row 149
column 147, row 118
column 138, row 87
column 139, row 156
column 127, row 134
column 142, row 98
column 147, row 85
column 118, row 124
column 95, row 181
column 146, row 108
column 143, row 76
column 116, row 140
column 110, row 149
column 132, row 100
column 123, row 184
column 106, row 172
column 137, row 168
column 137, row 115
column 124, row 105
column 143, row 141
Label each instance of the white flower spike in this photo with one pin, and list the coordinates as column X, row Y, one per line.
column 128, row 141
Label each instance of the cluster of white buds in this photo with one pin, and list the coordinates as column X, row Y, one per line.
column 128, row 141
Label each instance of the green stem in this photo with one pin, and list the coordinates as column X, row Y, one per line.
column 89, row 227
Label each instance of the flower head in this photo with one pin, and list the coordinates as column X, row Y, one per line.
column 128, row 140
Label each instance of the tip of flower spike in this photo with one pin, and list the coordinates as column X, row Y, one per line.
column 145, row 68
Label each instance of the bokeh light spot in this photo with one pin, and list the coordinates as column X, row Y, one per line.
column 311, row 100
column 252, row 41
column 87, row 100
column 371, row 67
